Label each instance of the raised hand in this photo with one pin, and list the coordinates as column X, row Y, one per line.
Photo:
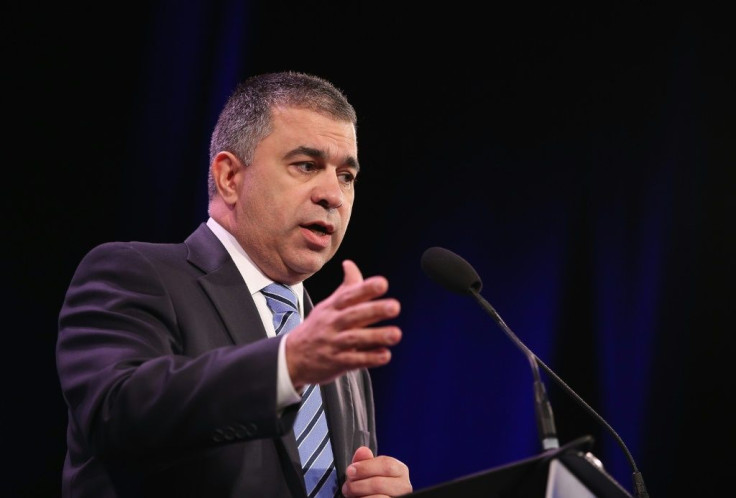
column 338, row 335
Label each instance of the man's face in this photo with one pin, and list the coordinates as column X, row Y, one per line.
column 296, row 197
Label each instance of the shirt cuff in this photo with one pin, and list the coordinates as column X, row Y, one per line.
column 286, row 394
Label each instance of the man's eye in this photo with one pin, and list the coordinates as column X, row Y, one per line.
column 306, row 167
column 346, row 178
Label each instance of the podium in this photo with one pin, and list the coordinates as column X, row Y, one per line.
column 565, row 472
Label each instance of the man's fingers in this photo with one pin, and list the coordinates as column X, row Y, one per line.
column 364, row 290
column 363, row 314
column 339, row 334
column 380, row 476
column 383, row 466
column 367, row 339
column 362, row 453
column 355, row 288
column 352, row 273
column 372, row 358
column 366, row 348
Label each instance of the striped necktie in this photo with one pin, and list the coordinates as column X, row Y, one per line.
column 310, row 427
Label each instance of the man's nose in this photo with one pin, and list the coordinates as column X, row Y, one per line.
column 327, row 191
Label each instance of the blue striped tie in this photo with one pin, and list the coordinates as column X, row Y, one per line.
column 310, row 427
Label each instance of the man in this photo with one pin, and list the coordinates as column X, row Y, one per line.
column 177, row 379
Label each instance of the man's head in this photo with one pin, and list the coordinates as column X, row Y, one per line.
column 283, row 160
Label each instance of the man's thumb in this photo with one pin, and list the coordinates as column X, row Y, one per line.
column 362, row 453
column 352, row 273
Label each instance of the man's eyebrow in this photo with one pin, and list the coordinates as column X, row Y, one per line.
column 319, row 154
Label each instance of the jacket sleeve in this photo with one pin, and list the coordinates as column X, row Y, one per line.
column 130, row 387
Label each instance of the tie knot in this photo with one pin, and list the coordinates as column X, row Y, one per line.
column 279, row 298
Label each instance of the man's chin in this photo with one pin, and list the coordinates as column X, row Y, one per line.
column 307, row 264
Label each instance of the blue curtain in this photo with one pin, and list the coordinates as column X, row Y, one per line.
column 581, row 159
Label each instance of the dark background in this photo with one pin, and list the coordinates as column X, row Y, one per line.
column 580, row 157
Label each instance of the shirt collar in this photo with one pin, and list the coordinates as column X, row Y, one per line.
column 254, row 278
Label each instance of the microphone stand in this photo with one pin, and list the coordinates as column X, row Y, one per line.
column 542, row 406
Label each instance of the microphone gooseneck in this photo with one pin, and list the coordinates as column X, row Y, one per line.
column 542, row 405
column 457, row 275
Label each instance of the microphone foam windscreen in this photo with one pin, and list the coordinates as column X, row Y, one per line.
column 450, row 271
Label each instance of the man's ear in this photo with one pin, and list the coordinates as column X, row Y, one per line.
column 227, row 173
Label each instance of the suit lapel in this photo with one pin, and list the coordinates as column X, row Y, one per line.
column 230, row 295
column 225, row 286
column 339, row 422
column 235, row 305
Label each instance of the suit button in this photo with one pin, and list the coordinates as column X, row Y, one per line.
column 246, row 430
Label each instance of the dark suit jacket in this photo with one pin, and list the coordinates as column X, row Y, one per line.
column 170, row 380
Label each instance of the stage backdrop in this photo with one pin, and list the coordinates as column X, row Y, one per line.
column 580, row 158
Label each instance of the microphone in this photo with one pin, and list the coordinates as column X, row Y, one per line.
column 457, row 275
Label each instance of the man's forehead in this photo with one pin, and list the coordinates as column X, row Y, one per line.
column 288, row 114
column 316, row 135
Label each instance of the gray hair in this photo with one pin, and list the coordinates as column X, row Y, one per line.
column 245, row 119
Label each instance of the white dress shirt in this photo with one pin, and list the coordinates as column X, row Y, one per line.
column 256, row 280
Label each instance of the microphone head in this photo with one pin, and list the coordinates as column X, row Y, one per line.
column 450, row 271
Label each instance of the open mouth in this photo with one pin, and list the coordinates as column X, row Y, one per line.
column 318, row 229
